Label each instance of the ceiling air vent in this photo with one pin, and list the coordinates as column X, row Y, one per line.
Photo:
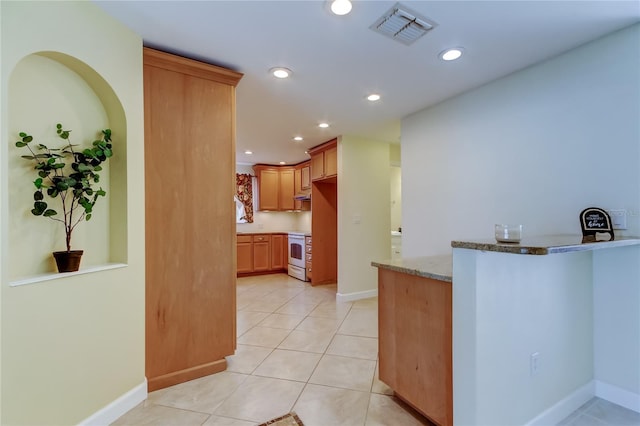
column 402, row 24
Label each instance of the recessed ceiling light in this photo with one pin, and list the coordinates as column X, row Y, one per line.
column 298, row 138
column 248, row 152
column 283, row 162
column 373, row 97
column 341, row 7
column 323, row 125
column 451, row 54
column 281, row 72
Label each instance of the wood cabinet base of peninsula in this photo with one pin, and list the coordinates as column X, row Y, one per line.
column 415, row 342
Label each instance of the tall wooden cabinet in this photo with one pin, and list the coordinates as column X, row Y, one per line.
column 190, row 228
column 324, row 212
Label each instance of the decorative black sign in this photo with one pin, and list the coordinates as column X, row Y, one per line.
column 596, row 225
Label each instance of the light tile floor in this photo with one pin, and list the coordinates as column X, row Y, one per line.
column 298, row 349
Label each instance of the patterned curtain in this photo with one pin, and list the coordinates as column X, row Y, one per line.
column 244, row 191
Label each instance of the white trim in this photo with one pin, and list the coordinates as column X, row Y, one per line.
column 618, row 396
column 55, row 276
column 567, row 405
column 358, row 295
column 115, row 409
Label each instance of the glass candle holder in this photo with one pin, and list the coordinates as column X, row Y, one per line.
column 508, row 233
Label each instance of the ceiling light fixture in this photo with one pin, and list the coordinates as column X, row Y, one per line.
column 451, row 54
column 323, row 125
column 298, row 138
column 280, row 72
column 373, row 97
column 283, row 162
column 341, row 7
column 248, row 152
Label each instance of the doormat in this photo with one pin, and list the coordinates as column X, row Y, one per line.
column 289, row 419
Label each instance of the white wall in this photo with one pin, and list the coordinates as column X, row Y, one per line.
column 535, row 148
column 507, row 307
column 363, row 214
column 616, row 299
column 74, row 344
column 272, row 221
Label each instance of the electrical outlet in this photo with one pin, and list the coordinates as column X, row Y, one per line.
column 534, row 363
column 618, row 218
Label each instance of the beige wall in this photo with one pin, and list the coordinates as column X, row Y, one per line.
column 363, row 214
column 73, row 344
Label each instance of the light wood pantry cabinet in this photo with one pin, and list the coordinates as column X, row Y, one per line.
column 190, row 239
column 262, row 253
column 415, row 342
column 324, row 160
column 324, row 208
column 275, row 187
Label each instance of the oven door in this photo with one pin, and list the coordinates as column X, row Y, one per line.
column 296, row 251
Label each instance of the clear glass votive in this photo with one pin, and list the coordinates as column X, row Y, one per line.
column 508, row 233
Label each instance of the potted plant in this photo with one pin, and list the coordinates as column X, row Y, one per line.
column 68, row 182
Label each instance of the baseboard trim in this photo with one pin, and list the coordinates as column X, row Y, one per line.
column 358, row 295
column 181, row 376
column 115, row 409
column 567, row 405
column 618, row 395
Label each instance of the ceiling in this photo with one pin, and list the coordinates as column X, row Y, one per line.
column 337, row 60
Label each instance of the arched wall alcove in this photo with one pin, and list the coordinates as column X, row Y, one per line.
column 47, row 88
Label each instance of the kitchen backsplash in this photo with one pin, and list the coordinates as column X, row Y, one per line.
column 277, row 221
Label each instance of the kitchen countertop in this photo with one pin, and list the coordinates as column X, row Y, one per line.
column 434, row 267
column 546, row 244
column 263, row 232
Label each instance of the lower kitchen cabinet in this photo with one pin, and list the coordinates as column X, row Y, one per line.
column 245, row 254
column 261, row 254
column 278, row 251
column 415, row 342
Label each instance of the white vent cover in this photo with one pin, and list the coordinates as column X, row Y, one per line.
column 402, row 24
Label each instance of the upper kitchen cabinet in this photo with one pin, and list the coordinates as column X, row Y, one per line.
column 275, row 187
column 190, row 238
column 324, row 161
column 305, row 175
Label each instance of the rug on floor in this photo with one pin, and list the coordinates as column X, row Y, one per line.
column 289, row 419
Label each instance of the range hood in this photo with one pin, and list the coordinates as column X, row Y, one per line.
column 303, row 195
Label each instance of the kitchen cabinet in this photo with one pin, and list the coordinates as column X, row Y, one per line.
column 306, row 176
column 324, row 161
column 275, row 187
column 261, row 253
column 189, row 317
column 244, row 246
column 415, row 342
column 279, row 258
column 286, row 189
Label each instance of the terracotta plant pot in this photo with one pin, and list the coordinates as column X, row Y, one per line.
column 68, row 261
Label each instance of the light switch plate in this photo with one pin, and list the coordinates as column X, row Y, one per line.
column 618, row 218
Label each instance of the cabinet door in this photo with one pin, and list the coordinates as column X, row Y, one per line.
column 331, row 162
column 286, row 190
column 306, row 177
column 297, row 180
column 317, row 166
column 261, row 253
column 245, row 257
column 277, row 252
column 268, row 186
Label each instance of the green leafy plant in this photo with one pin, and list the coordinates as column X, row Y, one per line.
column 69, row 182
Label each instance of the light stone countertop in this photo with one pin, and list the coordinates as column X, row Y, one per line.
column 435, row 267
column 263, row 232
column 546, row 244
